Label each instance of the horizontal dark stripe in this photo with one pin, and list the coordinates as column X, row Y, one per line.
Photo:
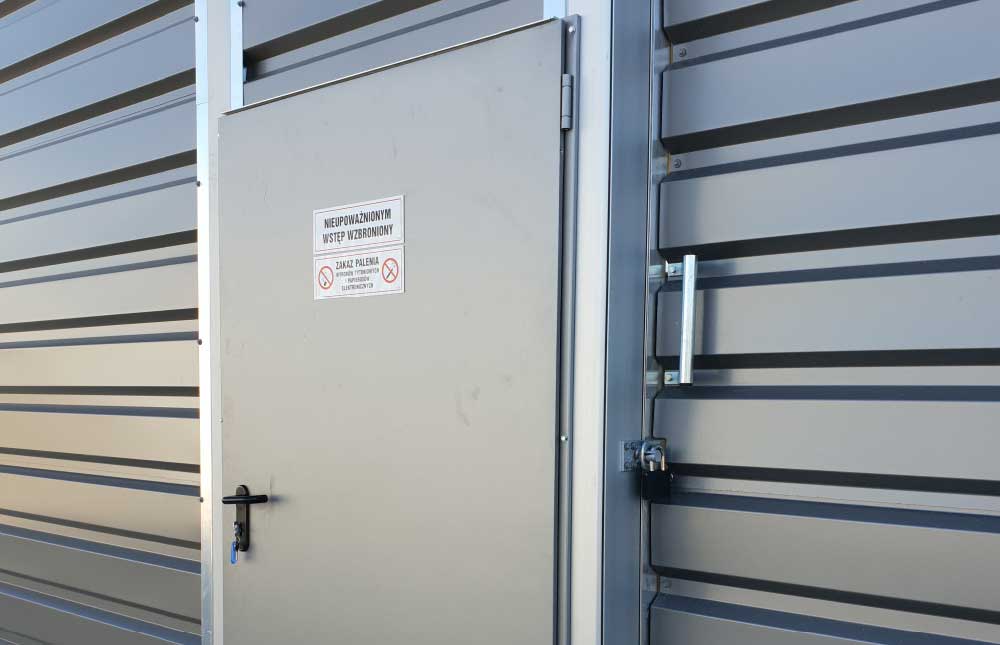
column 806, row 624
column 101, row 200
column 105, row 106
column 834, row 595
column 102, row 390
column 883, row 358
column 940, row 393
column 10, row 6
column 104, row 480
column 103, row 410
column 99, row 528
column 820, row 154
column 99, row 548
column 103, row 340
column 952, row 485
column 969, row 522
column 103, row 459
column 947, row 229
column 93, row 37
column 947, row 98
column 112, row 619
column 823, row 32
column 104, row 250
column 859, row 272
column 758, row 13
column 144, row 169
column 105, row 270
column 140, row 317
column 340, row 24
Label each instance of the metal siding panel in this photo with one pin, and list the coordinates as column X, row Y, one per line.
column 173, row 516
column 436, row 26
column 809, row 197
column 670, row 626
column 680, row 11
column 269, row 19
column 860, row 557
column 29, row 623
column 842, row 315
column 127, row 437
column 147, row 586
column 826, row 435
column 163, row 133
column 134, row 59
column 858, row 65
column 147, row 214
column 153, row 289
column 120, row 445
column 28, row 32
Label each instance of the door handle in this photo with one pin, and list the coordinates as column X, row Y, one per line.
column 241, row 527
column 687, row 271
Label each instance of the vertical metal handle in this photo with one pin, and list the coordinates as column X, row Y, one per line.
column 689, row 278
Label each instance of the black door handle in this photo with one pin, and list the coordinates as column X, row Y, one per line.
column 241, row 527
column 244, row 499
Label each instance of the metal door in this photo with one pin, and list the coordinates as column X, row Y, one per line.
column 831, row 165
column 407, row 442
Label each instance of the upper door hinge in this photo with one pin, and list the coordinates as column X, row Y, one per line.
column 566, row 103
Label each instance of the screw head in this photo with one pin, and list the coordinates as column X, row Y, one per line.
column 682, row 52
column 668, row 377
column 572, row 29
column 677, row 163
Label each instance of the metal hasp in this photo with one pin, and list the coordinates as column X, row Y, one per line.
column 241, row 527
column 648, row 458
column 687, row 271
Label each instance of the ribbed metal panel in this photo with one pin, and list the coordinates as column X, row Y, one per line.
column 830, row 163
column 99, row 533
column 298, row 43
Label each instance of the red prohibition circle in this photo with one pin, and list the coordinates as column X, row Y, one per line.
column 390, row 270
column 325, row 278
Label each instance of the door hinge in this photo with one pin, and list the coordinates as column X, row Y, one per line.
column 566, row 103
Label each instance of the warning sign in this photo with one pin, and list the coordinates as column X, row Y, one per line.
column 364, row 273
column 375, row 223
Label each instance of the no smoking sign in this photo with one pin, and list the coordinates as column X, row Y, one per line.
column 374, row 272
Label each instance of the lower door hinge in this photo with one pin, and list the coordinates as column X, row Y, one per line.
column 566, row 103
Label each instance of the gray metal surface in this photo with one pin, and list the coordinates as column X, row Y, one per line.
column 829, row 163
column 451, row 517
column 298, row 44
column 98, row 360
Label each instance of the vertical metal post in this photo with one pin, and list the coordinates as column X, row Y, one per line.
column 593, row 131
column 214, row 75
column 237, row 69
column 689, row 280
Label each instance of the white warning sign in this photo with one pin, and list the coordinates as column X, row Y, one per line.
column 374, row 223
column 365, row 273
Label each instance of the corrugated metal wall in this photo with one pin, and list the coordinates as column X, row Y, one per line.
column 99, row 530
column 291, row 44
column 834, row 166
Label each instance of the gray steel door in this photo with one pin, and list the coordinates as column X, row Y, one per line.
column 833, row 167
column 407, row 441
